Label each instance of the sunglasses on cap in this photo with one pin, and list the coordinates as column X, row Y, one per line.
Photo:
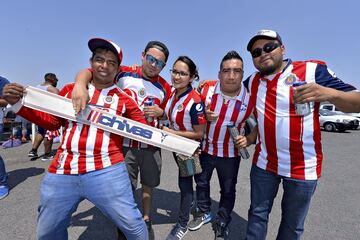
column 158, row 63
column 269, row 47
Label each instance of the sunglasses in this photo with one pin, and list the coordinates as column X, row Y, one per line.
column 158, row 63
column 269, row 47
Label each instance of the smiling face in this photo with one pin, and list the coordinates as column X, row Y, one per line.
column 105, row 66
column 180, row 76
column 271, row 62
column 151, row 61
column 230, row 76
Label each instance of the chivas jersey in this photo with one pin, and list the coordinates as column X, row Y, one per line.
column 185, row 111
column 289, row 144
column 130, row 80
column 218, row 141
column 85, row 148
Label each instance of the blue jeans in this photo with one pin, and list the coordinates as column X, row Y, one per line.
column 294, row 205
column 227, row 170
column 109, row 189
column 3, row 175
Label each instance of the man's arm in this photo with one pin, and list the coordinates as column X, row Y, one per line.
column 13, row 92
column 80, row 95
column 312, row 92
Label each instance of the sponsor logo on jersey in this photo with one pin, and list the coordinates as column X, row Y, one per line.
column 199, row 107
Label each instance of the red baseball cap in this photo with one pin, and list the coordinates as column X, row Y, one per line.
column 95, row 43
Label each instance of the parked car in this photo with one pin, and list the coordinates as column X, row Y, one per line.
column 332, row 121
column 331, row 107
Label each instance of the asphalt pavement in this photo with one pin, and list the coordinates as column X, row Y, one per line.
column 334, row 212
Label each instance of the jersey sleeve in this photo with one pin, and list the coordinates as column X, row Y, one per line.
column 42, row 119
column 197, row 114
column 325, row 77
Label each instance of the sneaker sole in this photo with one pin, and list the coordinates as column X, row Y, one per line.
column 199, row 226
column 4, row 196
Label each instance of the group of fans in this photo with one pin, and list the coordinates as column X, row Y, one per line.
column 102, row 167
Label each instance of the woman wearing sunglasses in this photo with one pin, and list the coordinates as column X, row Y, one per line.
column 185, row 112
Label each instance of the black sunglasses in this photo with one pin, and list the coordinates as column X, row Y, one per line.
column 269, row 47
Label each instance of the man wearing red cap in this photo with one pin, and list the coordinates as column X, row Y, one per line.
column 286, row 96
column 89, row 163
column 142, row 83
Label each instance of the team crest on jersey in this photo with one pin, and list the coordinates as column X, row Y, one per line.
column 180, row 108
column 60, row 160
column 142, row 92
column 108, row 99
column 290, row 79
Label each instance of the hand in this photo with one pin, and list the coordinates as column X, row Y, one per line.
column 153, row 111
column 312, row 92
column 12, row 93
column 80, row 97
column 241, row 141
column 210, row 115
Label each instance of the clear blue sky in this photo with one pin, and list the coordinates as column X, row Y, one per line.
column 42, row 36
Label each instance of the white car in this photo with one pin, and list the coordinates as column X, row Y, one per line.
column 331, row 107
column 331, row 121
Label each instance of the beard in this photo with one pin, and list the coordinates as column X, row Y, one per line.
column 271, row 69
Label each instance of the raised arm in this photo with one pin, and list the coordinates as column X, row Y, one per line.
column 80, row 95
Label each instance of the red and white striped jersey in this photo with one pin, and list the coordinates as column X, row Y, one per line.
column 288, row 144
column 130, row 80
column 186, row 111
column 217, row 141
column 85, row 148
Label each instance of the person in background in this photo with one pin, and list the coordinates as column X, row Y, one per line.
column 226, row 102
column 49, row 85
column 288, row 148
column 186, row 114
column 89, row 163
column 141, row 83
column 4, row 187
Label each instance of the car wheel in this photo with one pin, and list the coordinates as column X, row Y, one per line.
column 330, row 127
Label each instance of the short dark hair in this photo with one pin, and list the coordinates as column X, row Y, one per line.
column 158, row 45
column 191, row 65
column 50, row 77
column 231, row 55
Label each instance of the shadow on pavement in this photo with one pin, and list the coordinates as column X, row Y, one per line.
column 166, row 207
column 97, row 225
column 16, row 177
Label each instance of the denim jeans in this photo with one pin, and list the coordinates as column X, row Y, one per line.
column 227, row 170
column 294, row 205
column 3, row 175
column 109, row 189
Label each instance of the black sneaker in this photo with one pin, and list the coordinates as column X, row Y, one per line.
column 177, row 232
column 221, row 230
column 33, row 153
column 150, row 229
column 200, row 219
column 47, row 157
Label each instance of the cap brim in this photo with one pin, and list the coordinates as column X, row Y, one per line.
column 255, row 38
column 102, row 43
